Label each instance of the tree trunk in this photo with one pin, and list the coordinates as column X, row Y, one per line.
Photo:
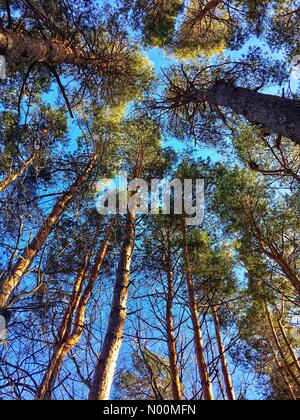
column 78, row 306
column 171, row 341
column 273, row 113
column 20, row 268
column 107, row 361
column 198, row 338
column 225, row 370
column 19, row 48
column 11, row 178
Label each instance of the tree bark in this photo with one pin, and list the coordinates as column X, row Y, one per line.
column 226, row 374
column 107, row 360
column 19, row 48
column 11, row 178
column 22, row 265
column 171, row 341
column 67, row 340
column 198, row 337
column 273, row 113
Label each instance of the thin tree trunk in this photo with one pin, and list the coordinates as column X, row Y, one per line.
column 22, row 265
column 222, row 353
column 19, row 48
column 45, row 389
column 171, row 341
column 280, row 349
column 273, row 113
column 11, row 178
column 198, row 337
column 78, row 306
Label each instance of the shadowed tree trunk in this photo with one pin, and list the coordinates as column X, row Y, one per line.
column 68, row 339
column 222, row 353
column 273, row 113
column 22, row 265
column 11, row 178
column 198, row 337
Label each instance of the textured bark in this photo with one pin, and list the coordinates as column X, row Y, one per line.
column 19, row 48
column 45, row 389
column 226, row 374
column 107, row 360
column 11, row 178
column 22, row 265
column 198, row 337
column 171, row 341
column 273, row 113
column 106, row 363
column 68, row 339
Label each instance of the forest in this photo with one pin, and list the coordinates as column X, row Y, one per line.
column 133, row 304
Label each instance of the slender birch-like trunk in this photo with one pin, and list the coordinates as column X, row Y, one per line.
column 12, row 177
column 226, row 374
column 198, row 336
column 22, row 265
column 171, row 340
column 67, row 338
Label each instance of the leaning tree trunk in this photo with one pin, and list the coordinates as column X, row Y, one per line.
column 273, row 113
column 11, row 178
column 20, row 48
column 198, row 337
column 171, row 340
column 22, row 265
column 68, row 339
column 222, row 353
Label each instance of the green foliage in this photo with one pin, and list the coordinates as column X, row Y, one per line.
column 149, row 379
